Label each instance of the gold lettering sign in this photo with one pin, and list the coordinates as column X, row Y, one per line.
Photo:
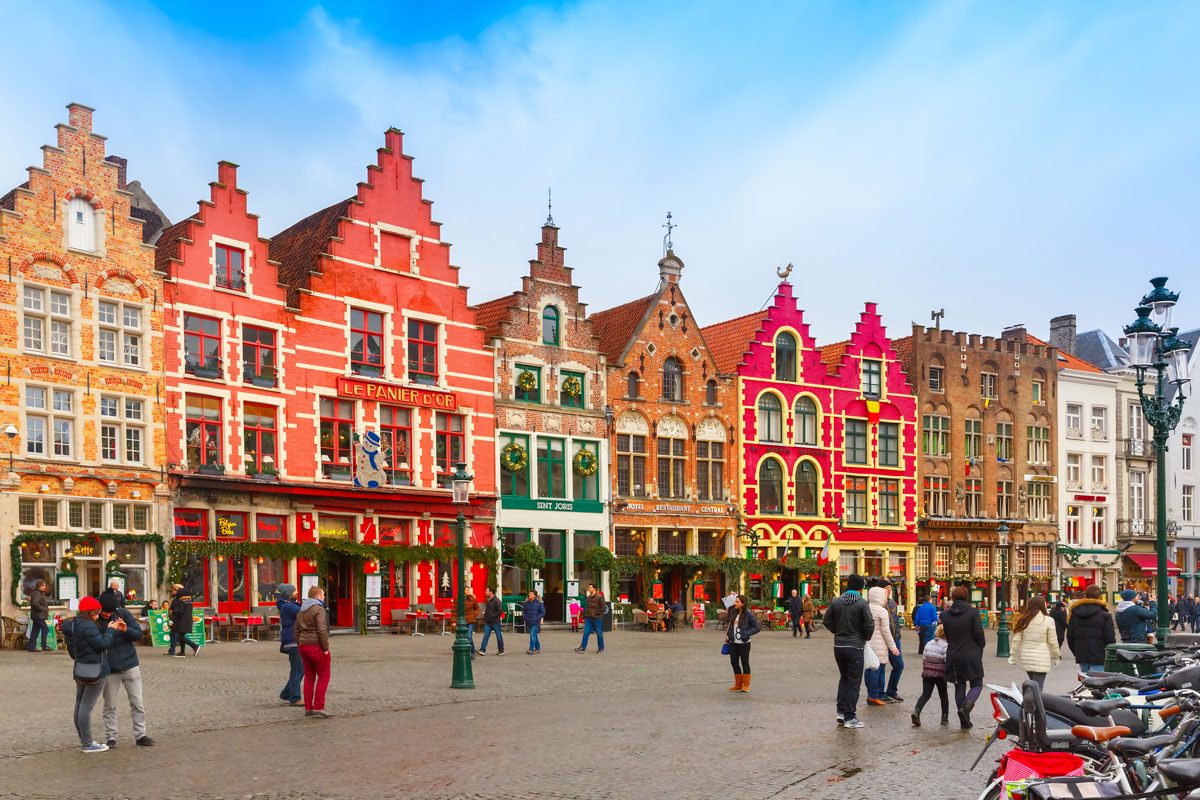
column 400, row 395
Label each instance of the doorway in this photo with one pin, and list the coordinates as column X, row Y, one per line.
column 553, row 575
column 340, row 591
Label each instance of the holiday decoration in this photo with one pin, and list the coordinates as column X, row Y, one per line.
column 585, row 462
column 527, row 381
column 369, row 461
column 572, row 387
column 513, row 457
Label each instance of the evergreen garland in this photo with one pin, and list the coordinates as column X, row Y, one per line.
column 733, row 568
column 15, row 561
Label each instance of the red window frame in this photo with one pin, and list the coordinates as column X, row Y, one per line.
column 422, row 351
column 206, row 428
column 195, row 343
column 253, row 434
column 201, row 515
column 394, row 432
column 361, row 325
column 245, row 528
column 226, row 276
column 335, row 450
column 446, row 440
column 278, row 518
column 253, row 363
column 240, row 606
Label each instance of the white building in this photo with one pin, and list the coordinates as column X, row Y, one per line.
column 1183, row 476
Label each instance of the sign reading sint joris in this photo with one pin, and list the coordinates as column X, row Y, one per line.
column 402, row 395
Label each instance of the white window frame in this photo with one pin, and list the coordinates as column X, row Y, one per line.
column 50, row 416
column 81, row 226
column 989, row 385
column 128, row 351
column 1185, row 451
column 1099, row 526
column 1074, row 469
column 937, row 385
column 1074, row 420
column 51, row 310
column 122, row 424
column 1186, row 499
column 1099, row 422
column 1074, row 517
column 1099, row 472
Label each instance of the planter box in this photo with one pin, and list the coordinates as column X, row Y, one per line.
column 203, row 372
column 210, row 469
column 264, row 476
column 258, row 380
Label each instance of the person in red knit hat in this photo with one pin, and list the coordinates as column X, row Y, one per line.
column 87, row 645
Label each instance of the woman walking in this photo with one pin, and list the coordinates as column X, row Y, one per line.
column 1035, row 641
column 882, row 643
column 964, row 652
column 533, row 611
column 88, row 646
column 312, row 635
column 288, row 605
column 181, row 623
column 933, row 676
column 742, row 625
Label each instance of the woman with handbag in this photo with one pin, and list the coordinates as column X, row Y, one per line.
column 742, row 625
column 88, row 647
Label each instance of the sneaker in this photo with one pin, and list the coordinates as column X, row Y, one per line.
column 601, row 650
column 500, row 653
column 854, row 722
column 841, row 720
column 112, row 743
column 580, row 650
column 528, row 652
column 322, row 713
column 895, row 698
column 181, row 655
column 95, row 747
column 145, row 741
column 299, row 703
column 482, row 652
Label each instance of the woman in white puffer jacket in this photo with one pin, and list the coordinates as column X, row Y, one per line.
column 881, row 644
column 1035, row 641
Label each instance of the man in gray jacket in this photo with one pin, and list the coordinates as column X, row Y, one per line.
column 850, row 622
column 39, row 611
column 125, row 671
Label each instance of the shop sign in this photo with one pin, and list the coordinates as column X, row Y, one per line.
column 84, row 549
column 160, row 628
column 356, row 389
column 1041, row 478
column 673, row 508
column 231, row 526
column 190, row 523
column 533, row 504
column 1090, row 498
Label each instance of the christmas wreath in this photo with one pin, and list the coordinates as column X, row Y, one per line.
column 513, row 457
column 586, row 463
column 112, row 565
column 572, row 386
column 527, row 381
column 69, row 565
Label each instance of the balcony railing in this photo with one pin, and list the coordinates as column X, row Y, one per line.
column 1143, row 528
column 1139, row 448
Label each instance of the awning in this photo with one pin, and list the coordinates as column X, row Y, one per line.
column 1148, row 562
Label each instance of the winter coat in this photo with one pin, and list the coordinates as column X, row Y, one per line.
column 111, row 591
column 181, row 612
column 1059, row 615
column 964, row 642
column 288, row 609
column 312, row 624
column 122, row 656
column 849, row 620
column 1134, row 622
column 471, row 609
column 594, row 605
column 882, row 641
column 89, row 643
column 807, row 608
column 795, row 608
column 39, row 605
column 933, row 659
column 926, row 614
column 749, row 624
column 1089, row 630
column 533, row 612
column 492, row 610
column 1035, row 647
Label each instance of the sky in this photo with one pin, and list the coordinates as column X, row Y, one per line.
column 1008, row 162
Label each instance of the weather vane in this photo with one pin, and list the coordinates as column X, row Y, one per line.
column 783, row 273
column 667, row 243
column 549, row 207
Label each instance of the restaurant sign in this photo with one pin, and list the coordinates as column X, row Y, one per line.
column 356, row 389
column 672, row 508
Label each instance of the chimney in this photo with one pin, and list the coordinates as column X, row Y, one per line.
column 669, row 267
column 1062, row 333
column 122, row 169
column 1016, row 333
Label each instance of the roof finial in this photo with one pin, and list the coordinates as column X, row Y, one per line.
column 783, row 273
column 668, row 245
column 549, row 207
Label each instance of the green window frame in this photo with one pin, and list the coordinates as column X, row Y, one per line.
column 551, row 325
column 974, row 438
column 514, row 583
column 586, row 487
column 514, row 484
column 565, row 399
column 935, row 435
column 534, row 395
column 872, row 377
column 856, row 441
column 889, row 501
column 551, row 467
column 889, row 444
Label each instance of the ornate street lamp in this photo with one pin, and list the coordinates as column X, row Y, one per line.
column 1153, row 345
column 1002, row 627
column 463, row 678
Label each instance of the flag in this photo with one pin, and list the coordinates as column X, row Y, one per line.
column 823, row 556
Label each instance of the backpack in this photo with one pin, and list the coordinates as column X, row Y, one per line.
column 68, row 635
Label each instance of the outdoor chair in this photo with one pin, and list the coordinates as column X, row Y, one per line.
column 14, row 637
column 515, row 617
column 640, row 617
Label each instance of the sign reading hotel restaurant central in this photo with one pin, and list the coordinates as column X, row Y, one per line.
column 390, row 393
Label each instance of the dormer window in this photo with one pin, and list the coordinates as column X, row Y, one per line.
column 550, row 325
column 872, row 377
column 81, row 225
column 231, row 272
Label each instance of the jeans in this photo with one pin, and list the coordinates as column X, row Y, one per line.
column 739, row 657
column 316, row 676
column 897, row 664
column 1038, row 677
column 927, row 687
column 172, row 640
column 291, row 690
column 534, row 644
column 85, row 700
column 181, row 639
column 962, row 694
column 131, row 679
column 797, row 624
column 850, row 668
column 590, row 625
column 1091, row 668
column 471, row 637
column 924, row 636
column 488, row 629
column 37, row 626
column 874, row 680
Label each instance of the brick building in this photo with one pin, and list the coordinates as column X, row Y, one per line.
column 672, row 455
column 827, row 440
column 988, row 455
column 551, row 432
column 82, row 395
column 340, row 352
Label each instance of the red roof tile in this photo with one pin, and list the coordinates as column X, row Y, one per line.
column 1066, row 360
column 616, row 326
column 298, row 249
column 831, row 356
column 728, row 341
column 166, row 249
column 489, row 315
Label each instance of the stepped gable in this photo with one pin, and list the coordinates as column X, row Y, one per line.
column 729, row 341
column 616, row 326
column 491, row 314
column 831, row 356
column 298, row 249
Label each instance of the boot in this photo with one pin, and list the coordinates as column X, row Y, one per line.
column 964, row 715
column 916, row 715
column 737, row 682
column 746, row 682
column 945, row 718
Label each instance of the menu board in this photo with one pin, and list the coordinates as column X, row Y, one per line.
column 160, row 626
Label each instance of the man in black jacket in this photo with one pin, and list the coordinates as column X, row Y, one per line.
column 124, row 671
column 850, row 622
column 796, row 611
column 1090, row 630
column 492, row 614
column 114, row 591
column 39, row 611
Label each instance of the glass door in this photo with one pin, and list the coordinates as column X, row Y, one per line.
column 553, row 575
column 231, row 586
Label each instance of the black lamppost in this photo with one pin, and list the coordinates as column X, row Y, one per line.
column 1002, row 626
column 460, row 483
column 1153, row 345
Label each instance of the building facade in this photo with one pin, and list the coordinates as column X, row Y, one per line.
column 1182, row 476
column 83, row 398
column 322, row 385
column 551, row 432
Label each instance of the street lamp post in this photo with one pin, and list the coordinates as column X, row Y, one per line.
column 1154, row 345
column 460, row 483
column 1002, row 626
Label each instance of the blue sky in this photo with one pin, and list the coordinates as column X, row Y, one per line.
column 1008, row 162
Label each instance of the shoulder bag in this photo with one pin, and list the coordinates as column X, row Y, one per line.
column 88, row 674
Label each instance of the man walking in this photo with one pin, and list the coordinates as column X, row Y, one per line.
column 593, row 614
column 124, row 670
column 925, row 621
column 850, row 622
column 288, row 605
column 532, row 613
column 39, row 612
column 795, row 611
column 807, row 610
column 492, row 615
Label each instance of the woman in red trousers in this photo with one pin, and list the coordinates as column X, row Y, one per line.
column 312, row 635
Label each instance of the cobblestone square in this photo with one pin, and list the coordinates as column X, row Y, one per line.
column 650, row 717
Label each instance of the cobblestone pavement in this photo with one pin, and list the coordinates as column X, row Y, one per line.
column 649, row 717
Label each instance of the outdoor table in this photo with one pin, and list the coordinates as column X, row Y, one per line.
column 212, row 628
column 246, row 621
column 443, row 616
column 416, row 617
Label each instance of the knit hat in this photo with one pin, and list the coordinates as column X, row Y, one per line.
column 855, row 583
column 89, row 603
column 1128, row 594
column 109, row 602
column 285, row 590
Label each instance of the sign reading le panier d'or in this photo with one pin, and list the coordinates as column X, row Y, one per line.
column 391, row 393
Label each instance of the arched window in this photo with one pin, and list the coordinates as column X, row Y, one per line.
column 672, row 388
column 770, row 487
column 634, row 385
column 81, row 225
column 806, row 421
column 710, row 393
column 806, row 488
column 770, row 419
column 785, row 357
column 550, row 325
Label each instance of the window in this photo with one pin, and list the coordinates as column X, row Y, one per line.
column 120, row 516
column 231, row 273
column 941, row 559
column 576, row 381
column 514, row 483
column 1073, row 525
column 710, row 392
column 1038, row 388
column 201, row 346
column 889, row 501
column 422, row 351
column 670, row 467
column 1039, row 560
column 632, row 385
column 672, row 388
column 49, row 422
column 39, row 562
column 120, row 334
column 937, row 495
column 988, row 382
column 551, row 474
column 974, row 439
column 95, row 515
column 1074, row 419
column 395, row 433
column 50, row 513
column 1185, row 451
column 258, row 355
column 1185, row 506
column 1039, row 501
column 935, row 380
column 121, row 429
column 1004, row 441
column 785, row 357
column 1099, row 422
column 394, row 531
column 1137, row 422
column 1038, row 444
column 935, row 435
column 1005, row 502
column 1073, row 469
column 770, row 419
column 450, row 443
column 806, row 422
column 856, row 441
column 337, row 419
column 271, row 573
column 710, row 470
column 770, row 487
column 529, row 388
column 983, row 560
column 586, row 487
column 856, row 500
column 1137, row 499
column 550, row 325
column 52, row 320
column 1099, row 472
column 75, row 514
column 1099, row 529
column 141, row 518
column 394, row 585
column 807, row 493
column 973, row 498
column 366, row 342
column 203, row 429
column 258, row 426
column 631, row 465
column 81, row 225
column 872, row 377
column 889, row 444
column 923, row 560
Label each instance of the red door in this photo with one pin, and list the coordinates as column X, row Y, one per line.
column 233, row 577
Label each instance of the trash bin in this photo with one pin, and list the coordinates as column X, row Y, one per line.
column 606, row 625
column 1114, row 664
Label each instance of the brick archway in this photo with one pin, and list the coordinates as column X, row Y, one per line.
column 120, row 274
column 53, row 258
column 85, row 194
